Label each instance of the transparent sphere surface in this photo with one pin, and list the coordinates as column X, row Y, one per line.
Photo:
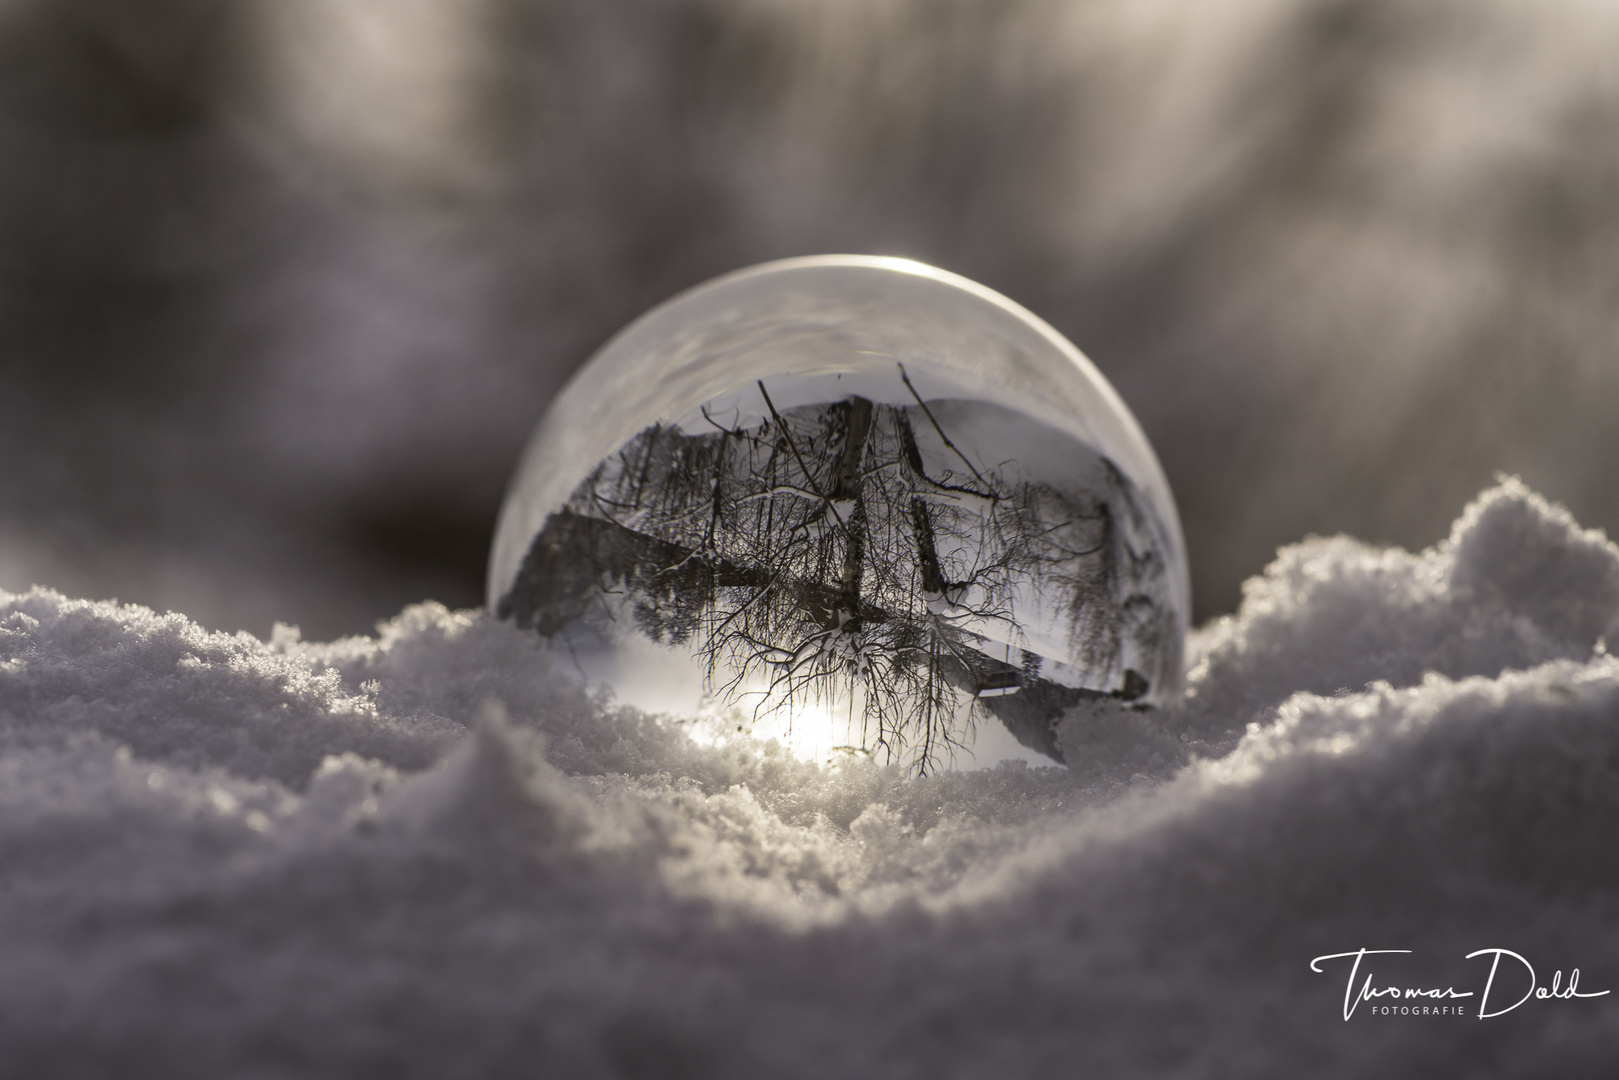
column 860, row 503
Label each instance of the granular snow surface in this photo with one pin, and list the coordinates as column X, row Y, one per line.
column 425, row 855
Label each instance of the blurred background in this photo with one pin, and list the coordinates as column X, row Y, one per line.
column 284, row 284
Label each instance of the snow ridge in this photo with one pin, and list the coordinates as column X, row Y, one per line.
column 422, row 854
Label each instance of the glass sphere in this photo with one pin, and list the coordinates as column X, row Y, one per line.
column 860, row 504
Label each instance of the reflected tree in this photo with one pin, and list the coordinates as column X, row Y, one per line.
column 851, row 553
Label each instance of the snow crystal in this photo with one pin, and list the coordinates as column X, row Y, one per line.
column 422, row 854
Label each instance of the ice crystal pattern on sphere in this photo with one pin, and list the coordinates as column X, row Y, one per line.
column 857, row 484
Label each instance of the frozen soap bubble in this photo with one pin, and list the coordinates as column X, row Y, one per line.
column 858, row 503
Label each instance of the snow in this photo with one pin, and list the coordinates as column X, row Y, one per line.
column 424, row 854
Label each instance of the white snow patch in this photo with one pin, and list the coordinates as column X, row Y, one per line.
column 423, row 854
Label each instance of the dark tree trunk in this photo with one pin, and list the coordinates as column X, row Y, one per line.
column 847, row 487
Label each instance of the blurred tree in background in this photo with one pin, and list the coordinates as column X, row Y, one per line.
column 285, row 283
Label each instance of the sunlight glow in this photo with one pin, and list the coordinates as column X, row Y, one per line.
column 824, row 732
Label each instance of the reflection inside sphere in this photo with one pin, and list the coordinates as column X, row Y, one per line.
column 861, row 505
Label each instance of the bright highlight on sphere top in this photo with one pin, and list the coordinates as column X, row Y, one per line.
column 856, row 492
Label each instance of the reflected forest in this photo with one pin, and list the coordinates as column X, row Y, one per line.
column 851, row 554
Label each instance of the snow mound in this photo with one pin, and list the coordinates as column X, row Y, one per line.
column 422, row 854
